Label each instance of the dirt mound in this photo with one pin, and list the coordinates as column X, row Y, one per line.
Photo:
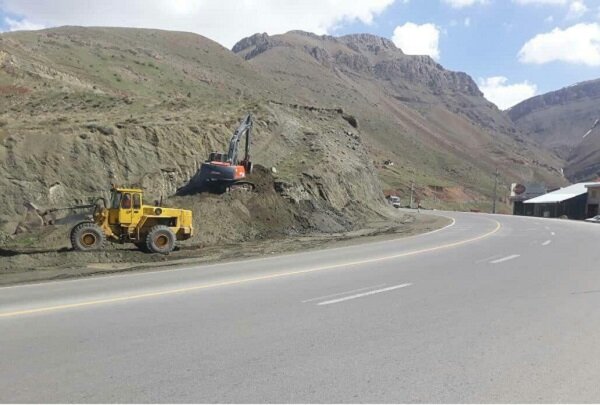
column 239, row 215
column 267, row 212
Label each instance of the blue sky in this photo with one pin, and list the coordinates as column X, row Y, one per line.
column 484, row 40
column 512, row 48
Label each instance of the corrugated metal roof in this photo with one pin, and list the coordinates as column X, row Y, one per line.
column 561, row 194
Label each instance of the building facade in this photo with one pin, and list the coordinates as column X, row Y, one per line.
column 593, row 200
column 569, row 202
column 521, row 192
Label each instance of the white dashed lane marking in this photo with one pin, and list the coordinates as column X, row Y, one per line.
column 365, row 294
column 505, row 259
column 341, row 293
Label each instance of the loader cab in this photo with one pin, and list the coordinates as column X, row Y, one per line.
column 125, row 206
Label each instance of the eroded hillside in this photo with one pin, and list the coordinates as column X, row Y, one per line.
column 86, row 107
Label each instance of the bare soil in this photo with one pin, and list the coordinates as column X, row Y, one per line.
column 31, row 264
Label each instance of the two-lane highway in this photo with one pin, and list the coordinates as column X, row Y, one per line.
column 488, row 309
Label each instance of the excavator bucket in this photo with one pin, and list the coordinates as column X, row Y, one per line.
column 31, row 221
column 36, row 219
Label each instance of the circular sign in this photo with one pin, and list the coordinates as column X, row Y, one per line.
column 519, row 189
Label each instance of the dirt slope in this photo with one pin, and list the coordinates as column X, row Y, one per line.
column 559, row 119
column 84, row 108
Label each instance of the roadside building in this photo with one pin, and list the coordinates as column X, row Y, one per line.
column 570, row 202
column 593, row 200
column 521, row 192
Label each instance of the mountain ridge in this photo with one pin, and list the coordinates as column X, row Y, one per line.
column 559, row 119
column 373, row 69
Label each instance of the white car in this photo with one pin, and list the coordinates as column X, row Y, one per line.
column 595, row 219
column 394, row 200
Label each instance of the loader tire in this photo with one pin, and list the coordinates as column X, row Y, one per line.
column 160, row 239
column 87, row 236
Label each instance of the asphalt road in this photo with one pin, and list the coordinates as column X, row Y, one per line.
column 490, row 309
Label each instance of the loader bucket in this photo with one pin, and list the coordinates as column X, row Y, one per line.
column 31, row 221
column 35, row 219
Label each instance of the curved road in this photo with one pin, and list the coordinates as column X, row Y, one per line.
column 489, row 309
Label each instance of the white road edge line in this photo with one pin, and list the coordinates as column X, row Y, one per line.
column 342, row 293
column 547, row 243
column 352, row 297
column 505, row 259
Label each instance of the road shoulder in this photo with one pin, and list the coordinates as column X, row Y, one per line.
column 22, row 267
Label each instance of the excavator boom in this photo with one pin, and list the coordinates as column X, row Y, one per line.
column 245, row 128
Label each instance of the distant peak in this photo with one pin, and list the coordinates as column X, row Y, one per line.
column 369, row 39
column 309, row 34
column 250, row 41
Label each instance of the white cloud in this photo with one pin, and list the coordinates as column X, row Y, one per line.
column 577, row 9
column 579, row 44
column 497, row 90
column 416, row 39
column 467, row 22
column 549, row 19
column 21, row 25
column 463, row 3
column 223, row 21
column 542, row 2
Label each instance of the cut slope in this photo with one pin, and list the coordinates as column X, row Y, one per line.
column 87, row 107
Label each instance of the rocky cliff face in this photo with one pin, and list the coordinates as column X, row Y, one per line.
column 366, row 54
column 559, row 119
column 415, row 111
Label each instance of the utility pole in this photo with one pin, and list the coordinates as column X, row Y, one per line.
column 495, row 192
column 412, row 189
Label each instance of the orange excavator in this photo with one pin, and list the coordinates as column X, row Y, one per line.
column 224, row 172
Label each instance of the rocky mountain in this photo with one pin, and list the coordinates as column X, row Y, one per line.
column 559, row 119
column 434, row 123
column 82, row 108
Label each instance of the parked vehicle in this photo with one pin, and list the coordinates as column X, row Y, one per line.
column 394, row 200
column 595, row 219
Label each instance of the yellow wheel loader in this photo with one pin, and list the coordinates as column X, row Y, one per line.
column 127, row 220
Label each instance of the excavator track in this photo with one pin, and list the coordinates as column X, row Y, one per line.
column 242, row 186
